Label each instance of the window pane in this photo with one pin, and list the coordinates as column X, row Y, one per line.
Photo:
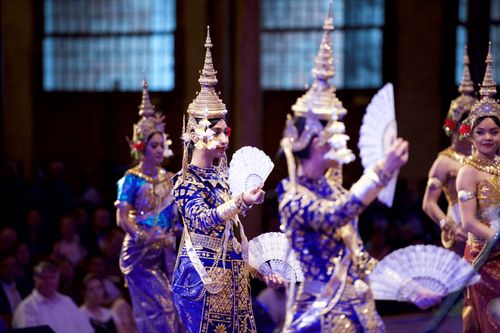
column 292, row 31
column 495, row 10
column 463, row 10
column 94, row 45
column 108, row 63
column 495, row 48
column 459, row 53
column 363, row 59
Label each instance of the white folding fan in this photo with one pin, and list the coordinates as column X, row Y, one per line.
column 400, row 274
column 376, row 135
column 271, row 253
column 248, row 168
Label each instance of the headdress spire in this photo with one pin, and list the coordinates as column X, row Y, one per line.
column 321, row 99
column 151, row 122
column 487, row 105
column 320, row 107
column 489, row 87
column 466, row 86
column 462, row 105
column 207, row 99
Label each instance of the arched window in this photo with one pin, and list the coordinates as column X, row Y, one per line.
column 291, row 34
column 94, row 45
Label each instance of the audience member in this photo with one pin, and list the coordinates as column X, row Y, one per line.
column 102, row 319
column 46, row 306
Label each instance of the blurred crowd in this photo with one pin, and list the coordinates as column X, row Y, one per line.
column 50, row 226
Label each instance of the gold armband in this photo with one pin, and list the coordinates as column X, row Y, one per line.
column 434, row 183
column 466, row 195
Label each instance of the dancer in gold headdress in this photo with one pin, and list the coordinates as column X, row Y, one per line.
column 211, row 282
column 442, row 179
column 443, row 172
column 319, row 216
column 478, row 186
column 148, row 214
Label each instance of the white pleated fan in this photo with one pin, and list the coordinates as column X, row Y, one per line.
column 248, row 169
column 376, row 135
column 401, row 273
column 270, row 253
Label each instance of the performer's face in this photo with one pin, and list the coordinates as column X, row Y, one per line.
column 221, row 138
column 155, row 149
column 486, row 137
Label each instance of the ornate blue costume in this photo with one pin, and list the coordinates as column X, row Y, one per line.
column 320, row 220
column 224, row 305
column 146, row 211
column 145, row 267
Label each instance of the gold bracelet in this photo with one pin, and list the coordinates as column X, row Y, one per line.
column 228, row 210
column 139, row 235
column 242, row 206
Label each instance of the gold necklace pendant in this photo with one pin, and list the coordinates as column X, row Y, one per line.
column 486, row 165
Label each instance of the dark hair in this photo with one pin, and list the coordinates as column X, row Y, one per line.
column 90, row 277
column 45, row 266
column 151, row 135
column 213, row 121
column 300, row 124
column 480, row 119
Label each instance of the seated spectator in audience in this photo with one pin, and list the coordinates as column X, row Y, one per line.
column 97, row 266
column 112, row 246
column 101, row 318
column 69, row 245
column 125, row 317
column 10, row 293
column 46, row 306
column 8, row 238
column 25, row 267
column 31, row 232
column 69, row 283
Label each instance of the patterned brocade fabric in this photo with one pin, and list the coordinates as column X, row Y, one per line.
column 150, row 198
column 483, row 294
column 146, row 267
column 229, row 310
column 313, row 219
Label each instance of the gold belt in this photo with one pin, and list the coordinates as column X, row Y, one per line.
column 475, row 239
column 209, row 242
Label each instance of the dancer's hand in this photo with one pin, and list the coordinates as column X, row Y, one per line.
column 397, row 156
column 155, row 235
column 254, row 196
column 459, row 233
column 425, row 298
column 274, row 280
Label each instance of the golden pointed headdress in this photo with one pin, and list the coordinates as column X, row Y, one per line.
column 320, row 98
column 487, row 105
column 207, row 103
column 463, row 104
column 320, row 108
column 320, row 104
column 151, row 122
